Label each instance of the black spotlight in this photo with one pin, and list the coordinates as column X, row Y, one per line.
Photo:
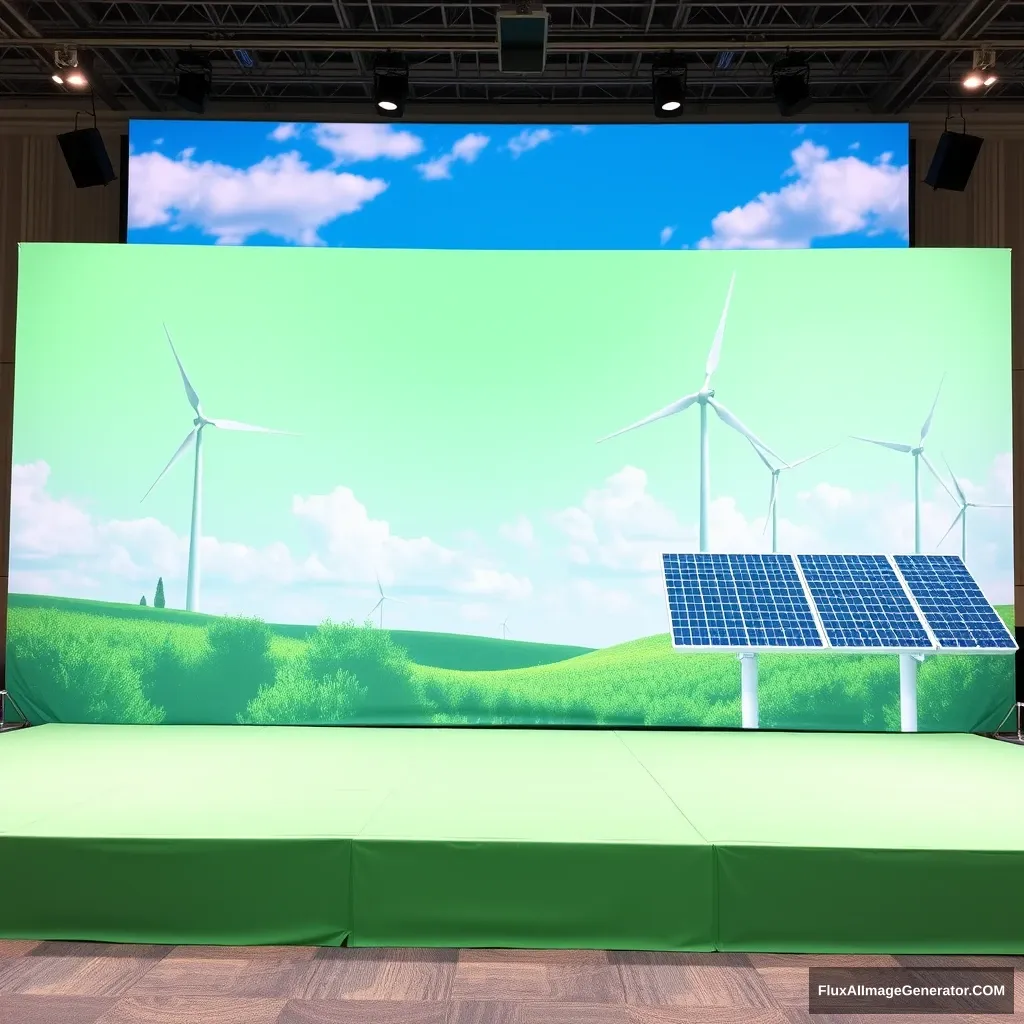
column 195, row 79
column 668, row 84
column 390, row 85
column 791, row 84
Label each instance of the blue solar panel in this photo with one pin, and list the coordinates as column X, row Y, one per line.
column 953, row 603
column 862, row 603
column 738, row 601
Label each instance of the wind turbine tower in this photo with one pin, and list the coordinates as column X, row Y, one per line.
column 195, row 438
column 703, row 398
column 384, row 598
column 917, row 451
column 961, row 516
column 773, row 501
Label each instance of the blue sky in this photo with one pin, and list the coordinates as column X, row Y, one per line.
column 519, row 187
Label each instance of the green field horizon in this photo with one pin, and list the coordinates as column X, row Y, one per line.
column 94, row 661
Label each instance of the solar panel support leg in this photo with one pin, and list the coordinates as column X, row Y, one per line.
column 908, row 692
column 1018, row 708
column 748, row 690
column 7, row 700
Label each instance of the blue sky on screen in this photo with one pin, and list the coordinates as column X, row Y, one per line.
column 519, row 187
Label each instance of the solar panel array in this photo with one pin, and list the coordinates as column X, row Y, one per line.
column 953, row 603
column 843, row 602
column 862, row 603
column 738, row 601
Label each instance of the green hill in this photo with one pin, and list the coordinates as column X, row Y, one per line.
column 441, row 650
column 80, row 661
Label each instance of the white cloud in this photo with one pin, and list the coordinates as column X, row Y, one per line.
column 158, row 142
column 57, row 548
column 854, row 146
column 529, row 138
column 281, row 196
column 583, row 129
column 519, row 532
column 351, row 143
column 466, row 149
column 829, row 197
column 284, row 132
column 666, row 235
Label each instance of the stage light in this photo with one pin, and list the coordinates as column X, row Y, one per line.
column 390, row 85
column 791, row 85
column 195, row 80
column 77, row 79
column 668, row 87
column 57, row 78
column 66, row 68
column 982, row 73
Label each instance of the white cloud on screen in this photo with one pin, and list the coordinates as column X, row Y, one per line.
column 284, row 132
column 518, row 532
column 352, row 143
column 280, row 196
column 465, row 150
column 666, row 234
column 58, row 548
column 529, row 138
column 827, row 198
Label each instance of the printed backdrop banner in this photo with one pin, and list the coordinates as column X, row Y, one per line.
column 408, row 516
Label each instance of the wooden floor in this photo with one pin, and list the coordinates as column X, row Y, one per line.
column 85, row 983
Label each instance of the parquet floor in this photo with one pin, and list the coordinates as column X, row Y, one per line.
column 86, row 983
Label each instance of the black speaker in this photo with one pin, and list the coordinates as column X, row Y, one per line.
column 953, row 161
column 86, row 157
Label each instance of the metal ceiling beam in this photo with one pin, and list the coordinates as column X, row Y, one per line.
column 466, row 41
column 971, row 18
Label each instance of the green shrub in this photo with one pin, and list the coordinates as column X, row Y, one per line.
column 298, row 699
column 374, row 659
column 74, row 672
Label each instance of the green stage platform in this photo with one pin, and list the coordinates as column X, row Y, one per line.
column 750, row 841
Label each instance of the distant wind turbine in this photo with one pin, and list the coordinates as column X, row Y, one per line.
column 504, row 629
column 384, row 598
column 773, row 501
column 961, row 516
column 199, row 424
column 704, row 398
column 917, row 451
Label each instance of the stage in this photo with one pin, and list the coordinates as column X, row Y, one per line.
column 744, row 841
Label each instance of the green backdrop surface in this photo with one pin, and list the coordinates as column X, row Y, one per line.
column 434, row 535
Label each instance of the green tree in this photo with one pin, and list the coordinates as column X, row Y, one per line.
column 158, row 599
column 142, row 601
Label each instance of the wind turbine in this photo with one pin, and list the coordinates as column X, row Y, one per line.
column 195, row 435
column 704, row 398
column 773, row 501
column 961, row 516
column 504, row 629
column 380, row 604
column 917, row 451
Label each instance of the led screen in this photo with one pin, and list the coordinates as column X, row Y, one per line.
column 451, row 186
column 443, row 519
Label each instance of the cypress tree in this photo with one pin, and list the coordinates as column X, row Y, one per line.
column 143, row 601
column 158, row 600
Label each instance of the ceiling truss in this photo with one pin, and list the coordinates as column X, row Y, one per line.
column 886, row 56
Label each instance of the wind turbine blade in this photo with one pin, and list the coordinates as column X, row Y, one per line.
column 730, row 420
column 669, row 410
column 956, row 483
column 375, row 607
column 885, row 444
column 235, row 425
column 716, row 346
column 807, row 458
column 764, row 458
column 174, row 458
column 959, row 516
column 934, row 472
column 771, row 503
column 190, row 391
column 928, row 422
column 972, row 505
column 379, row 587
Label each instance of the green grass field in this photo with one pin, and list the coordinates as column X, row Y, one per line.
column 80, row 661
